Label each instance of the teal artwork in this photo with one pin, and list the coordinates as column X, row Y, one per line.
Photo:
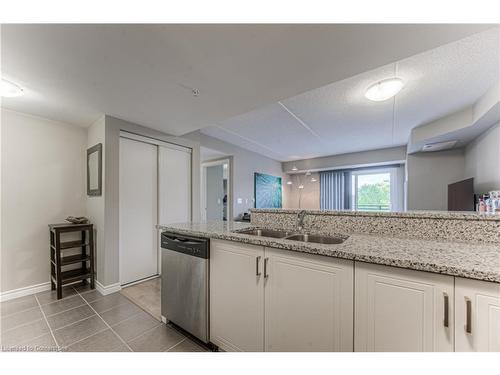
column 267, row 191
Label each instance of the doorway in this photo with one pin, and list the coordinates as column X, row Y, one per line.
column 216, row 191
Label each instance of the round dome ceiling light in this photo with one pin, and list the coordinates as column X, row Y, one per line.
column 9, row 89
column 384, row 89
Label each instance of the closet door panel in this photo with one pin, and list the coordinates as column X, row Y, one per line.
column 174, row 167
column 138, row 206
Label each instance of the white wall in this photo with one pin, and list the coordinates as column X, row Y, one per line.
column 245, row 163
column 95, row 204
column 428, row 176
column 43, row 182
column 354, row 159
column 482, row 161
column 307, row 198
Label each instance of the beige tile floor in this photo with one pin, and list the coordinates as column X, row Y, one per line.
column 146, row 295
column 85, row 320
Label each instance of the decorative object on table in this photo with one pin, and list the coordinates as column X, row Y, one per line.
column 94, row 170
column 267, row 191
column 77, row 219
column 59, row 276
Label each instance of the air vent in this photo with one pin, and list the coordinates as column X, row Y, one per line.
column 439, row 146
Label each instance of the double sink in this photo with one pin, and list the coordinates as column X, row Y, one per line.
column 302, row 237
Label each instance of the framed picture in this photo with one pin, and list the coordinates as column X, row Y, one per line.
column 267, row 191
column 94, row 170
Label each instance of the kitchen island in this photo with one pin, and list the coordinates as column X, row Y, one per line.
column 382, row 291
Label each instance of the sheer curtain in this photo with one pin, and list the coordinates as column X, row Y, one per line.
column 334, row 190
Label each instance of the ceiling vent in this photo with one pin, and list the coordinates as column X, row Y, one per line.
column 439, row 146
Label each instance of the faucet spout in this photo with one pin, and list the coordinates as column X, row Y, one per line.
column 300, row 219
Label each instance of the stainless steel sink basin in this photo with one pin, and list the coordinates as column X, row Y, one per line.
column 327, row 240
column 264, row 232
column 314, row 238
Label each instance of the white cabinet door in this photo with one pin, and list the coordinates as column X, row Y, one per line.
column 402, row 310
column 477, row 306
column 236, row 296
column 308, row 302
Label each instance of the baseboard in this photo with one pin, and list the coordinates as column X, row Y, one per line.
column 26, row 291
column 108, row 289
column 43, row 287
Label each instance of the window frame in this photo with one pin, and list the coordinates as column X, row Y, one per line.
column 395, row 203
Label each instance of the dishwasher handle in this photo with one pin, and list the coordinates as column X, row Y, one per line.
column 193, row 246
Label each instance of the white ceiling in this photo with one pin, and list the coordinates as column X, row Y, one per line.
column 209, row 154
column 143, row 73
column 337, row 118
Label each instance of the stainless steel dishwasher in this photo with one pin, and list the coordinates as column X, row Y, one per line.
column 184, row 283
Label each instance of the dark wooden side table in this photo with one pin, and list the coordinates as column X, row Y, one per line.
column 58, row 260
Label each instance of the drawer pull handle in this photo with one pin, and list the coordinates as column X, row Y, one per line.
column 446, row 320
column 468, row 315
column 266, row 275
column 257, row 262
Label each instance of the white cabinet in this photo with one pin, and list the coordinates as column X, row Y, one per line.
column 236, row 296
column 402, row 310
column 308, row 302
column 477, row 306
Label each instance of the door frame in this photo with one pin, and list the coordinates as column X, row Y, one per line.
column 203, row 191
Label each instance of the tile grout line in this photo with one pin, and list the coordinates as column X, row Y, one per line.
column 139, row 306
column 25, row 342
column 76, row 321
column 85, row 338
column 112, row 330
column 46, row 321
column 60, row 312
column 173, row 346
column 146, row 331
column 19, row 312
column 22, row 325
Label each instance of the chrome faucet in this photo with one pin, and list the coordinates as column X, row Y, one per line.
column 300, row 219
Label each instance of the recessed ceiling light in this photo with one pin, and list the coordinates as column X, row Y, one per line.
column 9, row 89
column 301, row 186
column 289, row 183
column 384, row 89
column 313, row 179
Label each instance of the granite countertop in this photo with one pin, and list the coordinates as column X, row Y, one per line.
column 420, row 214
column 473, row 261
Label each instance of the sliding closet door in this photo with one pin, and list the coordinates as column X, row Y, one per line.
column 174, row 188
column 138, row 210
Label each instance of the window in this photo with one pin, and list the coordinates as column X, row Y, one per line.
column 363, row 189
column 375, row 190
